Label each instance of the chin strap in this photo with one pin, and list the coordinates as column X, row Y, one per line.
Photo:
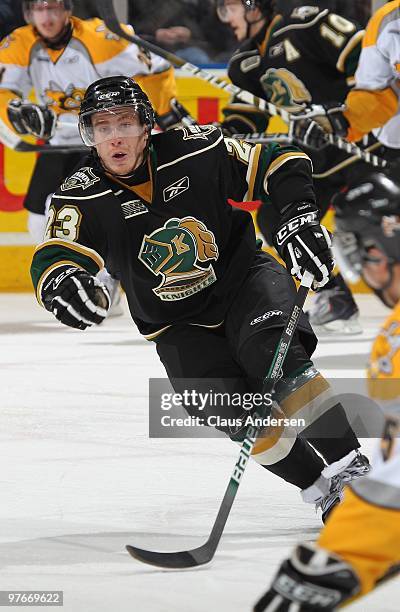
column 251, row 23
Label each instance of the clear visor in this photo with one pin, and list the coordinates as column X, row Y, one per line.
column 52, row 7
column 113, row 123
column 229, row 10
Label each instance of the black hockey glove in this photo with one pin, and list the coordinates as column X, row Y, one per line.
column 28, row 118
column 304, row 244
column 176, row 117
column 75, row 297
column 312, row 579
column 312, row 127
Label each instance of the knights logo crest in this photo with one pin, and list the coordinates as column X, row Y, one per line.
column 285, row 90
column 174, row 252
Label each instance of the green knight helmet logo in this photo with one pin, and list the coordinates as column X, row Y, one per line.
column 173, row 252
column 284, row 89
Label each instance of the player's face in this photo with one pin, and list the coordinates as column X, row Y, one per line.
column 49, row 19
column 120, row 140
column 378, row 275
column 232, row 12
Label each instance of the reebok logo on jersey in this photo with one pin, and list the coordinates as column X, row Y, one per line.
column 176, row 189
column 266, row 316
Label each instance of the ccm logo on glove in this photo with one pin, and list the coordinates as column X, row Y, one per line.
column 294, row 225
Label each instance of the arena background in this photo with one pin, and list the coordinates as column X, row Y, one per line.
column 16, row 249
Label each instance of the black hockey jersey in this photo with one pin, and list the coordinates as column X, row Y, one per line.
column 179, row 248
column 308, row 56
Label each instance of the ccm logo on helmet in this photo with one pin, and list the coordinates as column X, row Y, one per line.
column 110, row 94
column 294, row 225
column 267, row 315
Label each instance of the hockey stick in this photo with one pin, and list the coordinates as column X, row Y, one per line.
column 26, row 147
column 203, row 554
column 358, row 154
column 11, row 140
column 109, row 16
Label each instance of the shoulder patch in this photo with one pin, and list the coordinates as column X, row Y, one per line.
column 191, row 132
column 82, row 179
column 304, row 12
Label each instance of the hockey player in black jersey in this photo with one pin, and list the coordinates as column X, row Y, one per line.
column 155, row 211
column 308, row 54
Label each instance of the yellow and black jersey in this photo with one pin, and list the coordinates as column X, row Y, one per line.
column 374, row 103
column 309, row 56
column 365, row 529
column 59, row 78
column 179, row 248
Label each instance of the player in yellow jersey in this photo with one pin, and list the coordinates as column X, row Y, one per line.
column 57, row 56
column 360, row 544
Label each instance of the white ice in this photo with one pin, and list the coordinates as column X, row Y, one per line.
column 80, row 478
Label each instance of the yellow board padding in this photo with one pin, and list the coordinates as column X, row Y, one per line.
column 15, row 263
column 18, row 168
column 13, row 221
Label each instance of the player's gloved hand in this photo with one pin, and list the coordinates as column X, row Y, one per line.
column 75, row 297
column 312, row 126
column 176, row 117
column 312, row 579
column 28, row 118
column 304, row 244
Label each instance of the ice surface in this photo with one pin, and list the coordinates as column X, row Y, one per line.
column 80, row 478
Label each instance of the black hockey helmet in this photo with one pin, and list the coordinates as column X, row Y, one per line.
column 109, row 94
column 265, row 7
column 28, row 5
column 367, row 216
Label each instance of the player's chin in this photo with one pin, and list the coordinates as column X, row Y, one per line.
column 122, row 165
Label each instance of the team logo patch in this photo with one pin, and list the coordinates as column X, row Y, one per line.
column 176, row 189
column 174, row 251
column 133, row 208
column 250, row 63
column 84, row 178
column 303, row 12
column 284, row 89
column 6, row 42
column 276, row 50
column 69, row 99
column 191, row 132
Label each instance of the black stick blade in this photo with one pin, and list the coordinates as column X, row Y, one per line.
column 173, row 560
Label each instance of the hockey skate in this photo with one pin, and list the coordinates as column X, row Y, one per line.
column 327, row 491
column 334, row 310
column 325, row 494
column 331, row 499
column 357, row 466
